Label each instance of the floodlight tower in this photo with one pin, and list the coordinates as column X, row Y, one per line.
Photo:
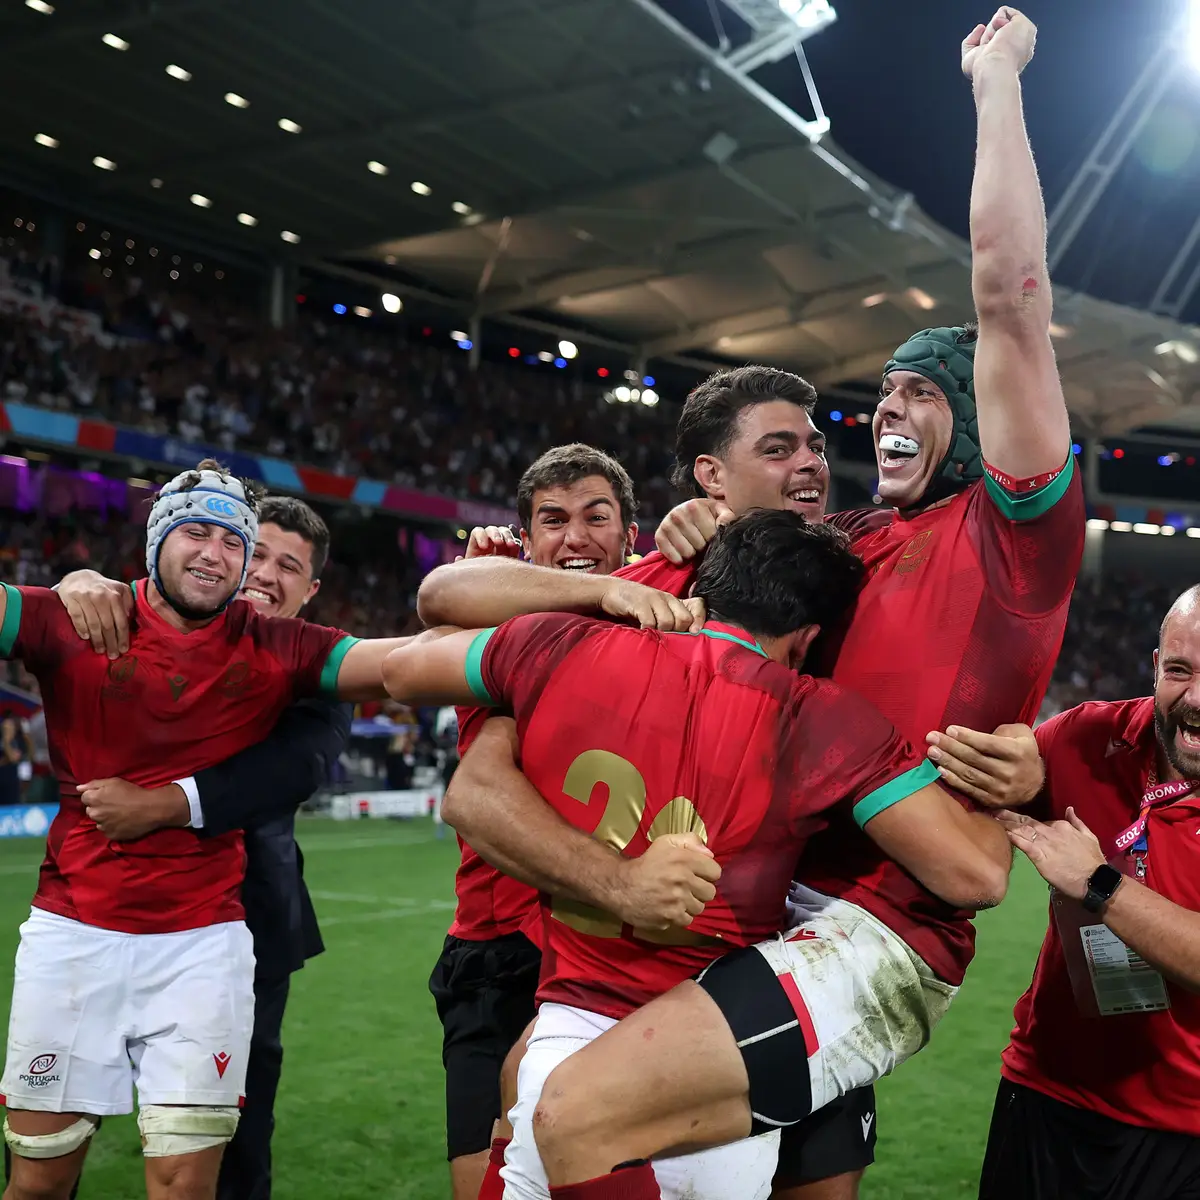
column 1108, row 153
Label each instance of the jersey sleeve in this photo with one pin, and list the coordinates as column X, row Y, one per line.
column 1029, row 538
column 36, row 628
column 470, row 722
column 1052, row 738
column 510, row 665
column 311, row 653
column 849, row 754
column 658, row 572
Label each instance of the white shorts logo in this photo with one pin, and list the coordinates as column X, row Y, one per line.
column 867, row 1122
column 39, row 1073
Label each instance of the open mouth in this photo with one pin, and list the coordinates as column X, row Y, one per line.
column 896, row 451
column 255, row 596
column 805, row 495
column 578, row 564
column 1189, row 735
column 204, row 577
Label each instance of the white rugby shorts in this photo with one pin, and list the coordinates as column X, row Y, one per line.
column 96, row 1013
column 739, row 1171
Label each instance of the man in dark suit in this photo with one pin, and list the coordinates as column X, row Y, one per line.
column 258, row 791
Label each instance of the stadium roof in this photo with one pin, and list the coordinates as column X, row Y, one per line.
column 582, row 165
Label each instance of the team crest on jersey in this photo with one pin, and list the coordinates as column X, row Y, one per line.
column 238, row 678
column 120, row 676
column 915, row 553
column 41, row 1072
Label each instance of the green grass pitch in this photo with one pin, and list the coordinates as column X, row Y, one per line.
column 360, row 1107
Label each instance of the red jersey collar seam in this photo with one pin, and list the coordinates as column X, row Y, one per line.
column 1138, row 731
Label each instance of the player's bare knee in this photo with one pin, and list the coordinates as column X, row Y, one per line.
column 45, row 1165
column 173, row 1130
column 563, row 1114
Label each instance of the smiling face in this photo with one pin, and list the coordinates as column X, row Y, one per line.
column 578, row 527
column 280, row 580
column 1177, row 686
column 200, row 567
column 775, row 459
column 912, row 427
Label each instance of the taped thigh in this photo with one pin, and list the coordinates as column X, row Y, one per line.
column 170, row 1129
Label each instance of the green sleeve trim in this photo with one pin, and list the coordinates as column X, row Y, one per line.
column 474, row 668
column 327, row 685
column 12, row 621
column 1031, row 504
column 894, row 791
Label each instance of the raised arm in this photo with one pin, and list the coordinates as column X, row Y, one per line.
column 1023, row 426
column 962, row 857
column 503, row 817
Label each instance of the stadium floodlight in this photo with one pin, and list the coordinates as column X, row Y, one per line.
column 200, row 201
column 44, row 139
column 177, row 72
column 105, row 164
column 422, row 189
column 623, row 394
column 288, row 126
column 289, row 236
column 117, row 43
column 376, row 168
column 236, row 100
column 40, row 6
column 567, row 349
column 463, row 210
column 649, row 397
column 247, row 219
column 391, row 302
column 805, row 17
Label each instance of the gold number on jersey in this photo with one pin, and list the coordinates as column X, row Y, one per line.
column 617, row 827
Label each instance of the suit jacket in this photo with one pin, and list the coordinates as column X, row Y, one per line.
column 258, row 790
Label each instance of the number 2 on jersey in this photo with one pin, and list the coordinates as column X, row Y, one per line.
column 617, row 827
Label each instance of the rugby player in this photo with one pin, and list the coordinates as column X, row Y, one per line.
column 767, row 752
column 258, row 791
column 981, row 552
column 99, row 1006
column 576, row 507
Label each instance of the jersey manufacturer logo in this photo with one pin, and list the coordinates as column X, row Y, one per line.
column 222, row 1061
column 178, row 683
column 120, row 678
column 220, row 507
column 867, row 1122
column 915, row 553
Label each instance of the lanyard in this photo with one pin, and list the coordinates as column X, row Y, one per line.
column 1155, row 794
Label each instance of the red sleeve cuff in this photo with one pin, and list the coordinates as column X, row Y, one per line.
column 1019, row 487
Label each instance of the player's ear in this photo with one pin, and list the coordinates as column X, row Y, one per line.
column 709, row 473
column 1154, row 661
column 802, row 641
column 313, row 589
column 630, row 538
column 527, row 545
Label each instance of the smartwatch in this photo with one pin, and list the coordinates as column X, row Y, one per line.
column 1101, row 885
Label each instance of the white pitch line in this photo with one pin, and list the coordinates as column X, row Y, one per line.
column 390, row 914
column 358, row 897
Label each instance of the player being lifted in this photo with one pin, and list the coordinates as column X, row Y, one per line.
column 980, row 553
column 768, row 754
column 135, row 967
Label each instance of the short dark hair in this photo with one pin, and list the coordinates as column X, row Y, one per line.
column 254, row 491
column 296, row 517
column 565, row 465
column 772, row 572
column 711, row 412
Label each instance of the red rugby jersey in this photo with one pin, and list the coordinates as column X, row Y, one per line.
column 959, row 623
column 1140, row 1068
column 173, row 705
column 631, row 734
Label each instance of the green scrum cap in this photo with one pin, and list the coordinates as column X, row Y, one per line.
column 946, row 356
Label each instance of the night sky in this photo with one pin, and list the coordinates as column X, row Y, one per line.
column 889, row 76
